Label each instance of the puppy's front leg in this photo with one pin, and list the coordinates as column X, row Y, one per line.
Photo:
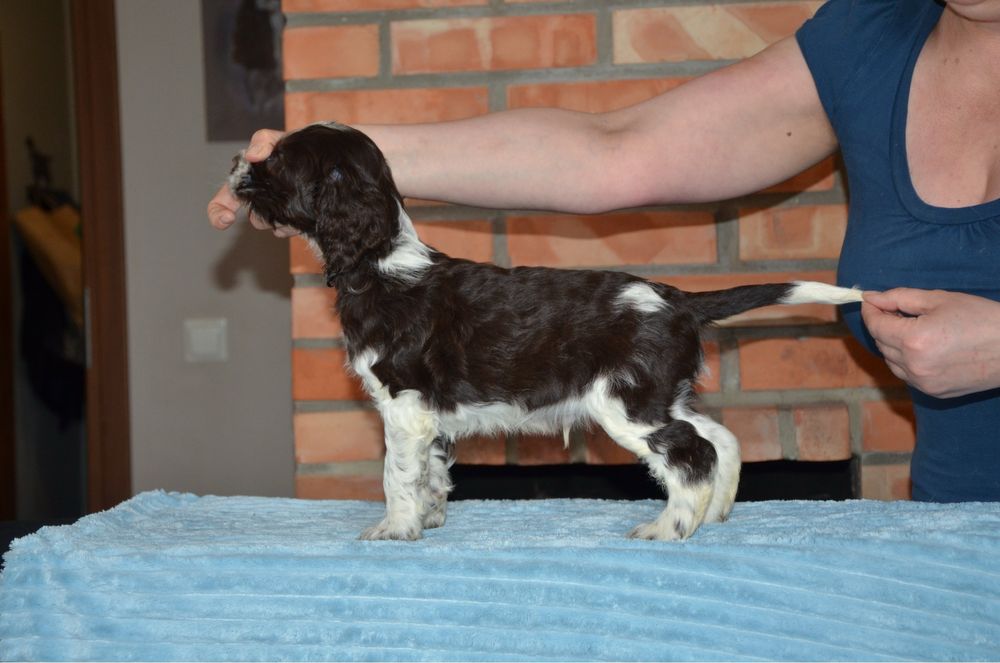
column 437, row 484
column 409, row 433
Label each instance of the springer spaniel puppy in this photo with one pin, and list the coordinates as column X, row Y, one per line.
column 449, row 348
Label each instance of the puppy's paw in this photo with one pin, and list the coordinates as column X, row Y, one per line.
column 718, row 514
column 658, row 531
column 435, row 518
column 389, row 531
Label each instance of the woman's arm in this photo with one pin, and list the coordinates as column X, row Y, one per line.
column 728, row 133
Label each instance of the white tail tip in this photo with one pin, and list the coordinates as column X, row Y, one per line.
column 814, row 292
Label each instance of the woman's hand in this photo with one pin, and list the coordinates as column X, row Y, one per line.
column 945, row 344
column 224, row 205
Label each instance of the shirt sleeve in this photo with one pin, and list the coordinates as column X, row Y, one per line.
column 837, row 41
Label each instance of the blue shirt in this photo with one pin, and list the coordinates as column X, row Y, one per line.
column 861, row 54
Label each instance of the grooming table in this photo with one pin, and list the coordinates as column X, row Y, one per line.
column 169, row 576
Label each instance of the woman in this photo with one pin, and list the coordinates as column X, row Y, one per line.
column 908, row 90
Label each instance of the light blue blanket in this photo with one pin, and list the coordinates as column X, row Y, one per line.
column 172, row 576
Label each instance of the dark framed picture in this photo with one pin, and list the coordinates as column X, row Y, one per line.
column 243, row 78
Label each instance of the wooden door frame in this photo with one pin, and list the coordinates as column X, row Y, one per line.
column 95, row 69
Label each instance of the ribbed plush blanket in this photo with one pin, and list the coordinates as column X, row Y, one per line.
column 179, row 577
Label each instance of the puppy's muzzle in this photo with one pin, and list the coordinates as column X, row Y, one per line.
column 239, row 176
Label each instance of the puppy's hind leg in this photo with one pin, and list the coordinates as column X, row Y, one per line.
column 409, row 432
column 684, row 463
column 438, row 483
column 727, row 475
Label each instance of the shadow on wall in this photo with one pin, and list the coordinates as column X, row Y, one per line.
column 253, row 252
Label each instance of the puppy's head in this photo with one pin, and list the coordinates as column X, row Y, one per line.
column 332, row 184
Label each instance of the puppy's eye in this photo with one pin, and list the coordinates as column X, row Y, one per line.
column 335, row 175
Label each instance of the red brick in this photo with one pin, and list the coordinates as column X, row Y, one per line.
column 472, row 240
column 612, row 239
column 757, row 430
column 602, row 450
column 769, row 315
column 703, row 32
column 384, row 106
column 541, row 450
column 820, row 177
column 886, row 482
column 810, row 363
column 320, row 374
column 888, row 426
column 589, row 96
column 493, row 44
column 482, row 450
column 337, row 487
column 301, row 258
column 792, row 233
column 773, row 20
column 822, row 432
column 294, row 6
column 338, row 437
column 313, row 315
column 331, row 51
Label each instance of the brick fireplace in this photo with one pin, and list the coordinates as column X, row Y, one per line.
column 790, row 383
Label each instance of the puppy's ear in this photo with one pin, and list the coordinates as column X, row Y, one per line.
column 356, row 221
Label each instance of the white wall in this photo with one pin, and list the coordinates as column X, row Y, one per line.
column 221, row 428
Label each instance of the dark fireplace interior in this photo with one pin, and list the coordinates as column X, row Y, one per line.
column 778, row 480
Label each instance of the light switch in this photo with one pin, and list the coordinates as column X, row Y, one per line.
column 205, row 339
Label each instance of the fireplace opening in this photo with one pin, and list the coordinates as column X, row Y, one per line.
column 777, row 480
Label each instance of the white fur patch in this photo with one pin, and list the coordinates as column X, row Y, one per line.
column 595, row 405
column 494, row 418
column 813, row 292
column 641, row 297
column 361, row 365
column 239, row 172
column 409, row 257
column 610, row 414
column 314, row 247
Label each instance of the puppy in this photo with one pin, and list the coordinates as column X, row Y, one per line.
column 448, row 348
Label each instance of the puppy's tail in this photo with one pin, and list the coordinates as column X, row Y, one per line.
column 719, row 304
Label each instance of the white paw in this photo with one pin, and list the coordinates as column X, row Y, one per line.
column 435, row 518
column 718, row 514
column 658, row 530
column 389, row 531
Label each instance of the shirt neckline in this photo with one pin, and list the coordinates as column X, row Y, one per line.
column 900, row 159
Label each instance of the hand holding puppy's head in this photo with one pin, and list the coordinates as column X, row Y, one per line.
column 332, row 184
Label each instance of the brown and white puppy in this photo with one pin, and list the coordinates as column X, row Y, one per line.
column 449, row 348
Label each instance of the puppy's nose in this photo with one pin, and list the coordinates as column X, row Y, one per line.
column 239, row 176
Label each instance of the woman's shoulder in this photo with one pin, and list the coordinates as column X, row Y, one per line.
column 858, row 19
column 845, row 35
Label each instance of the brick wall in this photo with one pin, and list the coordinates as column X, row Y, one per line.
column 789, row 382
